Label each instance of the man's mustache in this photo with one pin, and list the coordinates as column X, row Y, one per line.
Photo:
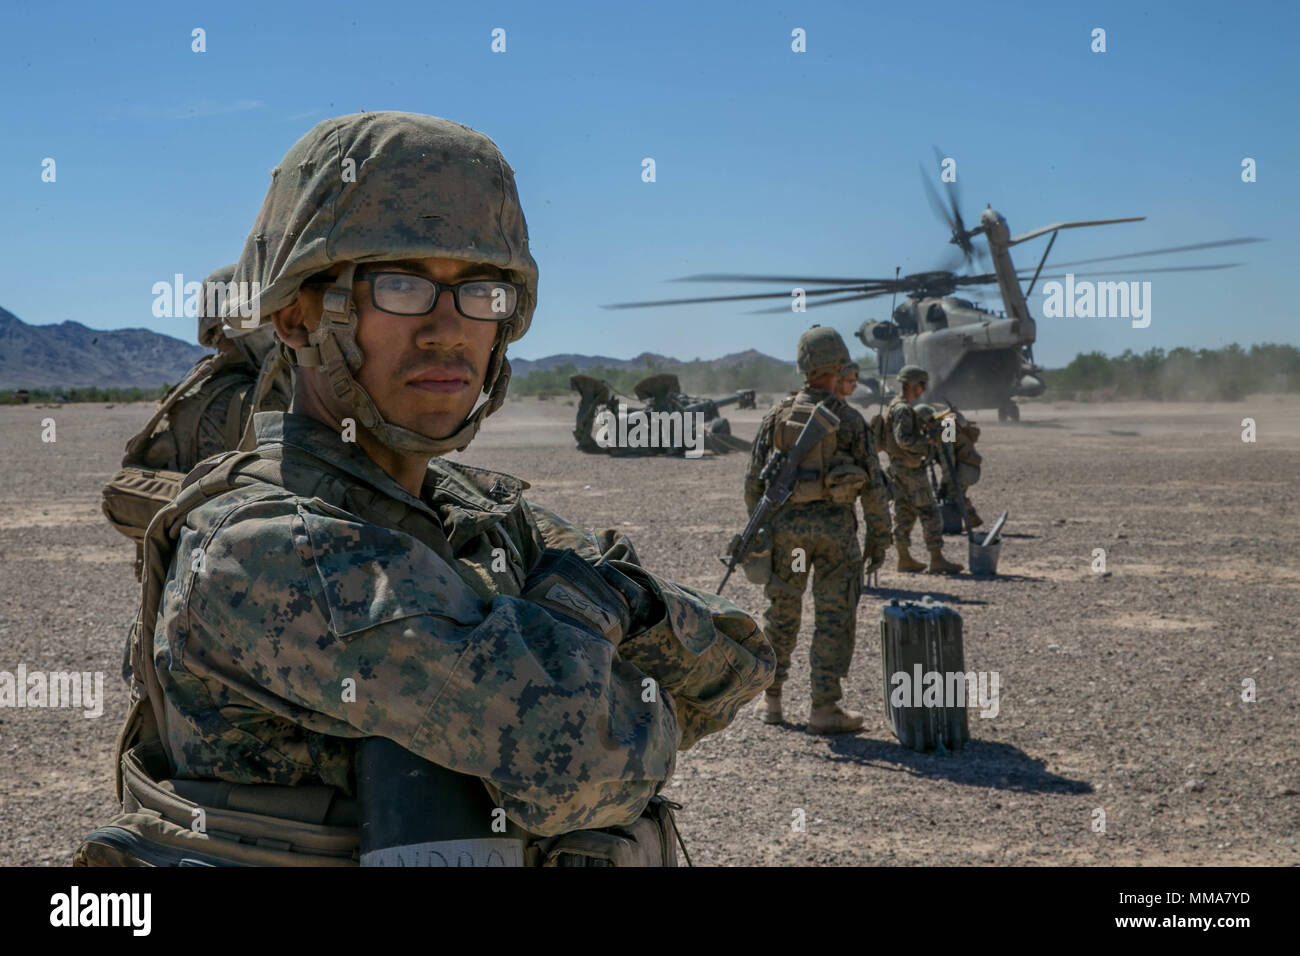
column 453, row 360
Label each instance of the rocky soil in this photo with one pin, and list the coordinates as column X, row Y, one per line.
column 1120, row 692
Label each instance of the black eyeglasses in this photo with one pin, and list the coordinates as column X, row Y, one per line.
column 404, row 293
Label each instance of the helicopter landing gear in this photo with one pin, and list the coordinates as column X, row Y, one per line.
column 1009, row 413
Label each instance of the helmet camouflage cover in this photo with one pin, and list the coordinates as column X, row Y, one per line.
column 210, row 319
column 821, row 350
column 913, row 373
column 371, row 187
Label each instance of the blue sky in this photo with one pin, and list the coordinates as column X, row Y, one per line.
column 767, row 160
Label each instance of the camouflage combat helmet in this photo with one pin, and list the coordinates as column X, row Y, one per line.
column 913, row 373
column 210, row 319
column 371, row 187
column 924, row 412
column 821, row 350
column 850, row 369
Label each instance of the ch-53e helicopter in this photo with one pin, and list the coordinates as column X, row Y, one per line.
column 976, row 358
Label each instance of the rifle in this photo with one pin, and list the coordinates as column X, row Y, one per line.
column 779, row 474
column 945, row 457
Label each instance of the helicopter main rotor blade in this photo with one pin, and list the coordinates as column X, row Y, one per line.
column 1160, row 252
column 737, row 277
column 1041, row 230
column 813, row 305
column 728, row 298
column 1149, row 272
column 933, row 196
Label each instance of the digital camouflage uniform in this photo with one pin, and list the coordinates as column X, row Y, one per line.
column 827, row 533
column 300, row 567
column 330, row 570
column 913, row 496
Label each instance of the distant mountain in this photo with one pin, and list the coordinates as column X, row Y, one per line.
column 73, row 356
column 645, row 360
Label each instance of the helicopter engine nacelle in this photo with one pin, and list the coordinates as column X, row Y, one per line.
column 881, row 336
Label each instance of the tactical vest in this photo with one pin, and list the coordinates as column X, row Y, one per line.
column 825, row 473
column 889, row 444
column 263, row 824
column 155, row 462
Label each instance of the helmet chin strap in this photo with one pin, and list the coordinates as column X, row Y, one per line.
column 333, row 349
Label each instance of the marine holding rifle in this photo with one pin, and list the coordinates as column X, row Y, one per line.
column 816, row 527
column 909, row 443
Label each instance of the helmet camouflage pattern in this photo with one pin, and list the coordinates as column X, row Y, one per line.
column 821, row 350
column 913, row 373
column 210, row 330
column 372, row 187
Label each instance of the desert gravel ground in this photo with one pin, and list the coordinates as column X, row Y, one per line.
column 1120, row 693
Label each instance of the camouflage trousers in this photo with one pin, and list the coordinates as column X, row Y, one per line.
column 913, row 498
column 820, row 537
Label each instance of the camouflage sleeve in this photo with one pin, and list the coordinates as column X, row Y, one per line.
column 544, row 711
column 706, row 654
column 907, row 431
column 757, row 459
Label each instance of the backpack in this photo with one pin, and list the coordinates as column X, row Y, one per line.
column 138, row 491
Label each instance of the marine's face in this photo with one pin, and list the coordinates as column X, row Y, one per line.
column 423, row 372
column 846, row 385
column 912, row 391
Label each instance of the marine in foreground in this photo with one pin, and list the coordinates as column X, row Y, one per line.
column 340, row 587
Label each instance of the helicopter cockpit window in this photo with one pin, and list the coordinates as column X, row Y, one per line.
column 935, row 317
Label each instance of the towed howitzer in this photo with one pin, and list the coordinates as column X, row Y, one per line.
column 778, row 476
column 709, row 406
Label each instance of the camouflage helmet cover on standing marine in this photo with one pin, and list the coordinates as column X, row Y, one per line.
column 821, row 350
column 372, row 187
column 913, row 373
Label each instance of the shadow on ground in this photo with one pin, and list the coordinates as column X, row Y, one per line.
column 884, row 595
column 997, row 766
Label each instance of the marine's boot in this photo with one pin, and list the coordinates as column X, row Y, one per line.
column 941, row 565
column 831, row 719
column 772, row 708
column 973, row 519
column 906, row 563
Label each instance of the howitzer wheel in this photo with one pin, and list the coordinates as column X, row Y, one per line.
column 1009, row 413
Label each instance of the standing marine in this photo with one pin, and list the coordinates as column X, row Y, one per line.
column 908, row 443
column 340, row 590
column 816, row 531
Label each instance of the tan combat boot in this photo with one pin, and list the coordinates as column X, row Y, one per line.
column 906, row 563
column 941, row 565
column 973, row 519
column 831, row 719
column 772, row 708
